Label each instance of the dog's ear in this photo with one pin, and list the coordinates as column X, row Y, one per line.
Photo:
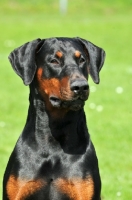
column 23, row 60
column 96, row 56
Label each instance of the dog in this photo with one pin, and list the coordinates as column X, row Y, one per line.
column 54, row 158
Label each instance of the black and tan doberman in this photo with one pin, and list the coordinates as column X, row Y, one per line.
column 54, row 158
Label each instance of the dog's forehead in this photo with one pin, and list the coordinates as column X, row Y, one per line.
column 62, row 44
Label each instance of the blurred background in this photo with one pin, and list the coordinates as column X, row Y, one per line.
column 106, row 23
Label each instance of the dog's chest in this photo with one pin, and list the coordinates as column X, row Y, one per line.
column 60, row 166
column 61, row 180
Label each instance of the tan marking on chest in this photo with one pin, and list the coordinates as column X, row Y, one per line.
column 20, row 189
column 76, row 188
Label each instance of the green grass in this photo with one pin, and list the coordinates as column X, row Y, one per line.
column 107, row 24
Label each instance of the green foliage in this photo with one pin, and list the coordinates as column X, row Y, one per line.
column 106, row 23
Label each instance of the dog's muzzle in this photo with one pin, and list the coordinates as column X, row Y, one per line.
column 80, row 93
column 80, row 88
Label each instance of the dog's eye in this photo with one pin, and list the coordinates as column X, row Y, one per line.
column 54, row 61
column 81, row 60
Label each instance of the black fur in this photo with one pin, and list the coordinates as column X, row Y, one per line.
column 54, row 158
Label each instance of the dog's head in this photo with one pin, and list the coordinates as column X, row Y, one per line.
column 61, row 67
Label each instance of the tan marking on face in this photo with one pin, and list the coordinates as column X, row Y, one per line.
column 59, row 54
column 54, row 86
column 76, row 188
column 39, row 74
column 48, row 86
column 57, row 88
column 20, row 189
column 77, row 54
column 66, row 93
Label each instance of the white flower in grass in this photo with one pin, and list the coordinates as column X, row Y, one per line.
column 99, row 108
column 92, row 105
column 2, row 124
column 9, row 43
column 129, row 70
column 93, row 89
column 118, row 194
column 119, row 90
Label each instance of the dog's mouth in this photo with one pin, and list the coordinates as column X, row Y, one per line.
column 56, row 102
column 74, row 104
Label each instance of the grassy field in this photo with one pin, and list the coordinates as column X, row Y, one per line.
column 109, row 109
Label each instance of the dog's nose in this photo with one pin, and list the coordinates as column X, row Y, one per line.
column 79, row 86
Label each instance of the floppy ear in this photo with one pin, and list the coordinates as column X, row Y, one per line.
column 23, row 60
column 96, row 56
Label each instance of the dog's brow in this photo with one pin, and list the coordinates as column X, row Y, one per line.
column 77, row 54
column 59, row 54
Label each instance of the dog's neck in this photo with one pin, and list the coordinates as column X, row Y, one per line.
column 68, row 130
